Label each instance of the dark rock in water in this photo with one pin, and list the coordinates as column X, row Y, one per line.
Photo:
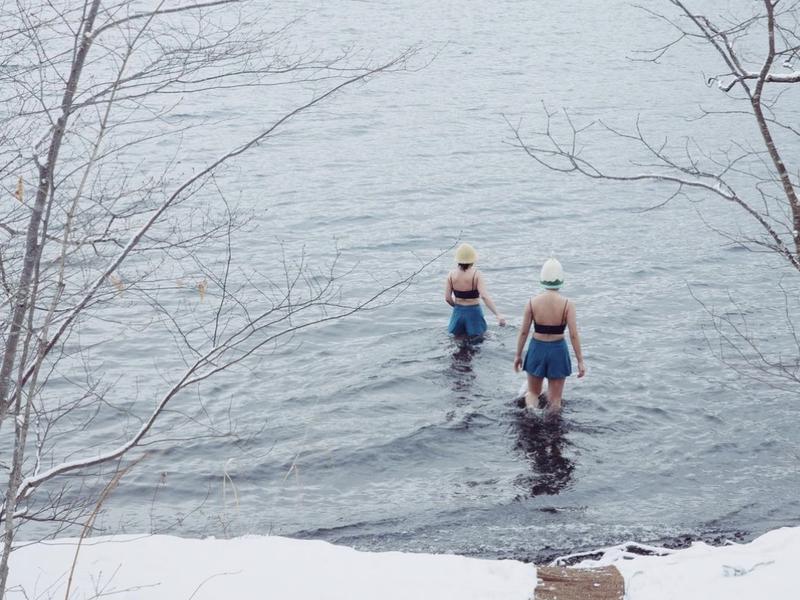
column 710, row 538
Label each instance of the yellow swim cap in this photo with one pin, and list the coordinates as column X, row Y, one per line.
column 466, row 255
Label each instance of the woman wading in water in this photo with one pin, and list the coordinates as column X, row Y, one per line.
column 464, row 290
column 548, row 354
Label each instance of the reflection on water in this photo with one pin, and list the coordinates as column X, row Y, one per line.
column 542, row 442
column 461, row 373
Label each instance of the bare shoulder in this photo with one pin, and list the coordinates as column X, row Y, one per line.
column 570, row 306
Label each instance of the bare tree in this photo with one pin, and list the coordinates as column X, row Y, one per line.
column 759, row 62
column 87, row 92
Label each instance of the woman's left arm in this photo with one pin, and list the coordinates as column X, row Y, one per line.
column 575, row 338
column 501, row 320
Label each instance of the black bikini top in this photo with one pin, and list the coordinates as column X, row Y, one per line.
column 554, row 329
column 466, row 294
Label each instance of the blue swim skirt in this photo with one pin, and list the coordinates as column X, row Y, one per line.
column 548, row 359
column 467, row 320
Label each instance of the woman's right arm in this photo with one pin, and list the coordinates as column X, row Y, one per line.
column 448, row 292
column 487, row 299
column 524, row 329
column 575, row 339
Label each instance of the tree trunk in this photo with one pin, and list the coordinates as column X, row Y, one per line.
column 22, row 304
column 43, row 191
column 766, row 134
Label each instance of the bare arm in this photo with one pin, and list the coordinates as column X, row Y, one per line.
column 448, row 292
column 487, row 299
column 524, row 330
column 575, row 339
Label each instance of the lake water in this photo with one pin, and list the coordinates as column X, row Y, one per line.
column 379, row 431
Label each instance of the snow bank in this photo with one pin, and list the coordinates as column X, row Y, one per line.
column 170, row 568
column 765, row 568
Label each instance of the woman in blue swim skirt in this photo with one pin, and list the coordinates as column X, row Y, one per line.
column 548, row 355
column 464, row 290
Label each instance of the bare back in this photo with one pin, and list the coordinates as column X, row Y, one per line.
column 465, row 281
column 550, row 308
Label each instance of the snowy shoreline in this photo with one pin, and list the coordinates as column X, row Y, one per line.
column 160, row 567
column 764, row 568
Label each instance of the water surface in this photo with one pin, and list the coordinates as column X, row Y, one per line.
column 380, row 431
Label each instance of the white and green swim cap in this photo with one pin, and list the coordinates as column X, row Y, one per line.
column 552, row 275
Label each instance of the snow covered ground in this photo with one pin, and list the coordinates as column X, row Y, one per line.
column 171, row 568
column 255, row 567
column 764, row 569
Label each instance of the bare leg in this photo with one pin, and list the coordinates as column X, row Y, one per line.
column 534, row 389
column 555, row 389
